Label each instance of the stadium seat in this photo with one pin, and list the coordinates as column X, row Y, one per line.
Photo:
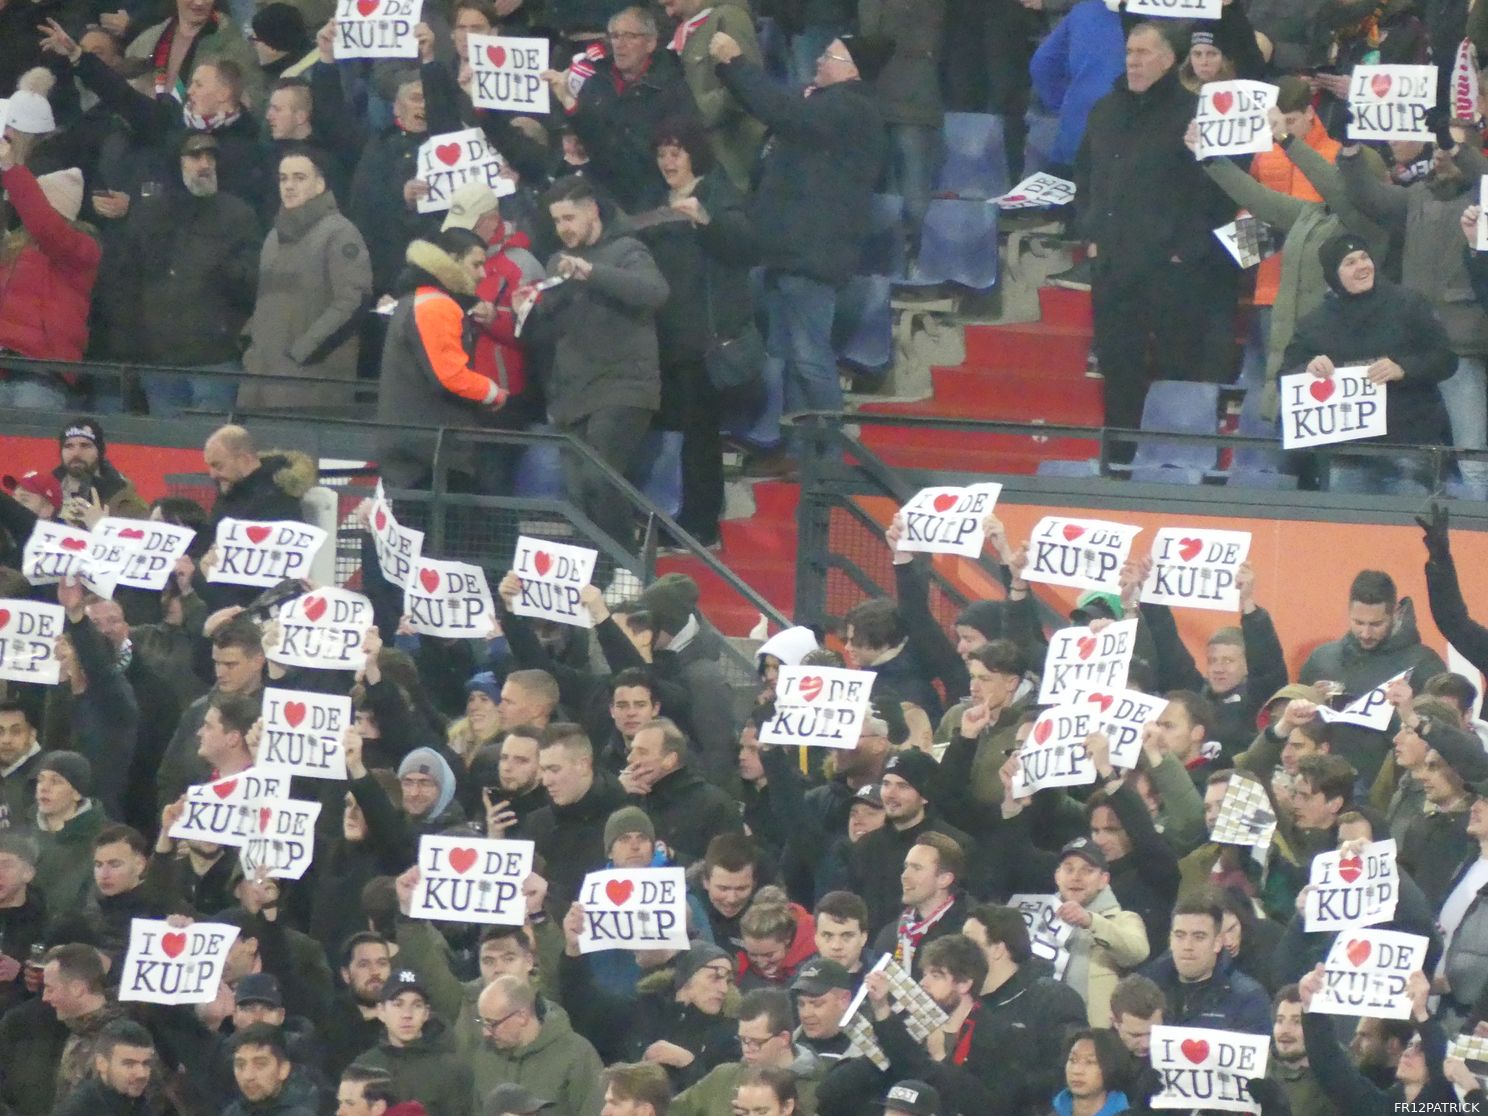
column 1178, row 407
column 1043, row 130
column 883, row 246
column 1089, row 467
column 975, row 156
column 1166, row 474
column 1258, row 466
column 958, row 244
column 864, row 327
column 658, row 470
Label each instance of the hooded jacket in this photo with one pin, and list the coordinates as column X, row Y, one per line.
column 499, row 353
column 64, row 862
column 47, row 271
column 801, row 949
column 1114, row 943
column 558, row 1065
column 114, row 490
column 1075, row 67
column 427, row 1069
column 789, row 646
column 270, row 492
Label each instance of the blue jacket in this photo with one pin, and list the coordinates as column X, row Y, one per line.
column 1075, row 67
column 1228, row 1001
column 1064, row 1104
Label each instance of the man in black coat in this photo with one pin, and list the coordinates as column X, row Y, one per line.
column 569, row 832
column 687, row 811
column 811, row 207
column 1147, row 210
column 123, row 1061
column 22, row 914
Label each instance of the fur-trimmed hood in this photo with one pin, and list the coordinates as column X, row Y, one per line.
column 294, row 473
column 429, row 263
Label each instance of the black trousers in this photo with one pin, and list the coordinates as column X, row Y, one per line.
column 615, row 434
column 691, row 405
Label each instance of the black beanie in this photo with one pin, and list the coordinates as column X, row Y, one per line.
column 985, row 616
column 870, row 53
column 71, row 766
column 281, row 27
column 1332, row 254
column 84, row 427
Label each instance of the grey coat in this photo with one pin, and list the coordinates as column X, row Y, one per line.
column 314, row 279
column 603, row 330
column 909, row 87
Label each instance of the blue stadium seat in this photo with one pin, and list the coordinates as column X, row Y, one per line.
column 1089, row 467
column 1166, row 474
column 1179, row 407
column 1043, row 130
column 958, row 244
column 883, row 246
column 975, row 156
column 1258, row 466
column 864, row 326
column 658, row 471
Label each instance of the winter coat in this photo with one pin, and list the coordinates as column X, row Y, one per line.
column 570, row 839
column 736, row 135
column 1343, row 660
column 18, row 790
column 47, row 269
column 287, row 1102
column 64, row 864
column 714, row 1094
column 113, row 489
column 1227, row 1001
column 969, row 768
column 603, row 330
column 697, row 667
column 314, row 280
column 427, row 1069
column 1113, row 944
column 1292, row 26
column 1354, row 1093
column 908, row 88
column 887, row 939
column 1139, row 194
column 816, row 178
column 220, row 39
column 1075, row 67
column 388, row 224
column 1304, row 1095
column 194, row 272
column 104, row 719
column 1275, row 171
column 94, row 1098
column 1466, row 963
column 616, row 120
column 878, row 859
column 426, row 374
column 1025, row 1019
column 688, row 812
column 558, row 1065
column 271, row 492
column 499, row 353
column 20, row 928
column 903, row 677
column 1449, row 612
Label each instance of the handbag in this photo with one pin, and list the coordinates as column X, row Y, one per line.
column 735, row 365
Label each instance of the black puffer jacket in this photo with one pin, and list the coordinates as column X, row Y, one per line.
column 570, row 838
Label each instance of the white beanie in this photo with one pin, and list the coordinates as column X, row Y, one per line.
column 30, row 111
column 64, row 189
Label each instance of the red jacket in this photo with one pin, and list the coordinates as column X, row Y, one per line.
column 498, row 352
column 801, row 950
column 44, row 291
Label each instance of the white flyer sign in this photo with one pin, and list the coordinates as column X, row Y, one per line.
column 1038, row 190
column 322, row 630
column 1204, row 1068
column 1391, row 102
column 1048, row 934
column 55, row 551
column 820, row 706
column 1196, row 567
column 634, row 908
column 1122, row 716
column 1081, row 660
column 398, row 547
column 1232, row 118
column 1482, row 245
column 506, row 73
column 472, row 880
column 948, row 519
column 376, row 28
column 1360, row 889
column 1055, row 754
column 225, row 811
column 264, row 554
column 1245, row 817
column 1082, row 553
column 1366, row 972
column 1369, row 710
column 553, row 575
column 449, row 161
column 157, row 548
column 1176, row 9
column 1248, row 240
column 174, row 965
column 303, row 731
column 28, row 641
column 1324, row 410
column 281, row 844
column 449, row 599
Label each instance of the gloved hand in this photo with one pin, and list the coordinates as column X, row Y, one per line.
column 1438, row 545
column 1439, row 120
column 1270, row 1096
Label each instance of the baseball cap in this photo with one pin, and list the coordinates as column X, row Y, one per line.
column 868, row 795
column 199, row 141
column 914, row 1098
column 1093, row 604
column 469, row 204
column 259, row 988
column 38, row 484
column 513, row 1099
column 403, row 980
column 1087, row 850
column 821, row 976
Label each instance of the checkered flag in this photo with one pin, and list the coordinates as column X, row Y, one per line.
column 922, row 1015
column 1245, row 817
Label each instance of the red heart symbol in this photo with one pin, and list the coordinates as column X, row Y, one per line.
column 944, row 502
column 4, row 618
column 1350, row 868
column 264, row 814
column 1322, row 390
column 497, row 55
column 1195, row 1050
column 172, row 944
column 257, row 534
column 462, row 859
column 542, row 561
column 367, row 7
column 1380, row 83
column 131, row 533
column 1071, row 532
column 380, row 519
column 294, row 713
column 1086, row 646
column 222, row 790
column 314, row 608
column 619, row 891
column 1042, row 730
column 1103, row 700
column 448, row 153
column 1014, row 198
column 429, row 579
column 74, row 544
column 1358, row 952
column 1188, row 549
column 1223, row 102
column 810, row 687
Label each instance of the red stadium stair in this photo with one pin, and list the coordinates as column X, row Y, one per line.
column 1023, row 372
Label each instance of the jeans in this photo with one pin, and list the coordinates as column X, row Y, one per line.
column 799, row 314
column 614, row 434
column 32, row 393
column 914, row 162
column 1379, row 476
column 1257, row 342
column 1466, row 395
column 170, row 395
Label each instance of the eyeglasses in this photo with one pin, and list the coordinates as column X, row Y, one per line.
column 753, row 1043
column 489, row 1025
column 627, row 36
column 828, row 56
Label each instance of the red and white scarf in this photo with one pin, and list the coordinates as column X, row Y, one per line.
column 684, row 30
column 582, row 67
column 160, row 60
column 912, row 933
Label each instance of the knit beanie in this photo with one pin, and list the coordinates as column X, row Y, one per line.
column 71, row 766
column 869, row 53
column 984, row 616
column 670, row 600
column 30, row 111
column 281, row 27
column 701, row 953
column 915, row 768
column 64, row 190
column 627, row 819
column 84, row 427
column 1331, row 255
column 485, row 683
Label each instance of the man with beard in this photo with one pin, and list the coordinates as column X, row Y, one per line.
column 352, row 1025
column 20, row 761
column 123, row 1060
column 510, row 782
column 91, row 486
column 1289, row 1066
column 261, row 1067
